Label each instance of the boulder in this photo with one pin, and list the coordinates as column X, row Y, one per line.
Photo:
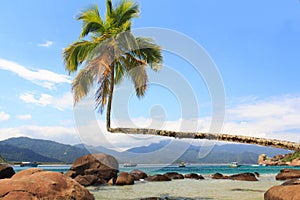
column 88, row 180
column 125, row 179
column 218, row 176
column 237, row 177
column 102, row 167
column 193, row 176
column 112, row 181
column 138, row 174
column 287, row 191
column 158, row 177
column 286, row 174
column 244, row 177
column 261, row 159
column 6, row 171
column 34, row 184
column 174, row 175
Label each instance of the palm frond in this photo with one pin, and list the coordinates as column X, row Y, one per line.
column 109, row 10
column 119, row 72
column 125, row 11
column 103, row 91
column 91, row 21
column 136, row 69
column 150, row 52
column 81, row 84
column 76, row 53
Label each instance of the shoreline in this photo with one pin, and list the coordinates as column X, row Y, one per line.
column 189, row 189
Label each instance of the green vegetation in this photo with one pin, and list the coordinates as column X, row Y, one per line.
column 26, row 149
column 291, row 157
column 107, row 51
column 2, row 160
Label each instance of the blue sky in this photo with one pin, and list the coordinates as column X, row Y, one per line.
column 254, row 44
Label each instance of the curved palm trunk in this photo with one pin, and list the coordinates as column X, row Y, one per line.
column 209, row 136
column 112, row 83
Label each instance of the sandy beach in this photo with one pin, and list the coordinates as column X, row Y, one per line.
column 190, row 189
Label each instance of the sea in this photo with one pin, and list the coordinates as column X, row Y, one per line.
column 187, row 189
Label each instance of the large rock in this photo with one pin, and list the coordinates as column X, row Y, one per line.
column 138, row 174
column 34, row 184
column 193, row 176
column 218, row 176
column 158, row 177
column 125, row 179
column 261, row 159
column 100, row 166
column 287, row 191
column 6, row 171
column 174, row 175
column 285, row 174
column 88, row 180
column 244, row 177
column 237, row 177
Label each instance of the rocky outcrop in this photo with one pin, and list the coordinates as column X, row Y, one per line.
column 193, row 176
column 6, row 171
column 238, row 177
column 94, row 169
column 286, row 174
column 291, row 159
column 158, row 177
column 34, row 184
column 174, row 175
column 124, row 178
column 138, row 174
column 261, row 159
column 287, row 191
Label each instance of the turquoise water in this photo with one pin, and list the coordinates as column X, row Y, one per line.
column 187, row 189
column 207, row 169
column 54, row 168
column 161, row 169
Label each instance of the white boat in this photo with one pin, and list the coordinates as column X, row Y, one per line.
column 130, row 164
column 234, row 164
column 182, row 164
column 28, row 164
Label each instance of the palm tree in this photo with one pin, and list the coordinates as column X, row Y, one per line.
column 110, row 52
column 107, row 51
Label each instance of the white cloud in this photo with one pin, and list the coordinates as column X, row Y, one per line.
column 4, row 116
column 61, row 103
column 24, row 117
column 41, row 77
column 47, row 43
column 60, row 134
column 277, row 117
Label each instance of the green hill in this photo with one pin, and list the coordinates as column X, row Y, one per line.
column 27, row 149
column 16, row 154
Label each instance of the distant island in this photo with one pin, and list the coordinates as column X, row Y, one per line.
column 16, row 150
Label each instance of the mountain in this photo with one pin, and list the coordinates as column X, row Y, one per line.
column 165, row 151
column 242, row 153
column 23, row 148
column 16, row 154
